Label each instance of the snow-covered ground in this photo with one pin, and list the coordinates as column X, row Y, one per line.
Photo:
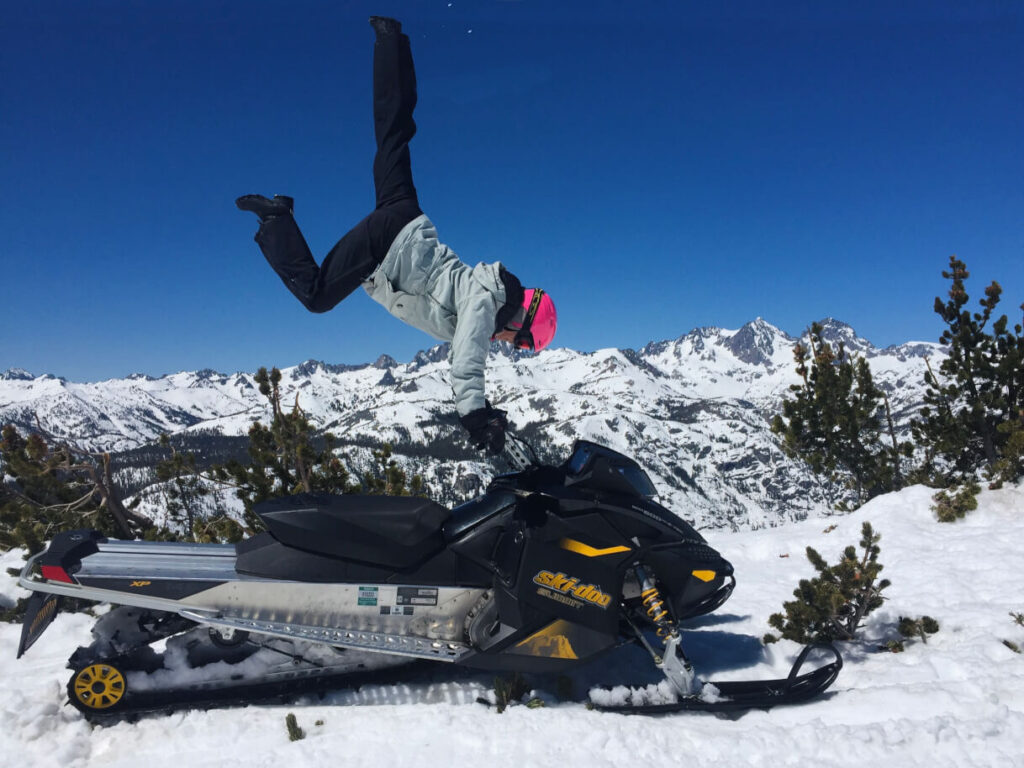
column 956, row 701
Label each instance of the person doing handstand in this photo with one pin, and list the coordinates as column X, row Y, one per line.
column 395, row 255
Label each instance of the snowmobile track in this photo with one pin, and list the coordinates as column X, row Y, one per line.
column 165, row 702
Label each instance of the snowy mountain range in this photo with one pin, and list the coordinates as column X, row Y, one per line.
column 695, row 411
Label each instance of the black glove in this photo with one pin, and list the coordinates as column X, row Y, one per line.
column 486, row 427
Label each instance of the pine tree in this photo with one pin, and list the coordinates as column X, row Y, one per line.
column 1010, row 465
column 183, row 485
column 45, row 489
column 185, row 488
column 973, row 417
column 57, row 487
column 834, row 421
column 919, row 628
column 389, row 479
column 284, row 457
column 949, row 509
column 287, row 457
column 832, row 605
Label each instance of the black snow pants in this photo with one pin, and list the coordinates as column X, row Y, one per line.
column 359, row 252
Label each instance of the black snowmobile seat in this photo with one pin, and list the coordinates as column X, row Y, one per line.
column 392, row 531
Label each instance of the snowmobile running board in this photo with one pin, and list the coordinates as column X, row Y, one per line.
column 112, row 563
column 739, row 696
column 380, row 642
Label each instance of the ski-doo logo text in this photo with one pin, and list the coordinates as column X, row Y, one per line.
column 570, row 585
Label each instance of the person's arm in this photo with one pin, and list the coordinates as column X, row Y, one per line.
column 470, row 346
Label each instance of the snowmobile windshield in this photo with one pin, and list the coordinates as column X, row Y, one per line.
column 596, row 466
column 640, row 480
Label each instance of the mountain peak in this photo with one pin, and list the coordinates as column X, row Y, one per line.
column 16, row 374
column 835, row 325
column 755, row 342
column 435, row 354
column 501, row 349
column 208, row 374
column 835, row 331
column 309, row 367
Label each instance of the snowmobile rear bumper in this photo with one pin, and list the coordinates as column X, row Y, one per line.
column 157, row 575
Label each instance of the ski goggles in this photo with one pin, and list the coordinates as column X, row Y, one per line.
column 524, row 338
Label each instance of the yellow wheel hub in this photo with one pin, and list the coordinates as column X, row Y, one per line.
column 98, row 686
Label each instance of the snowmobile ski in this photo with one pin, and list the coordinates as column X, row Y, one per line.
column 738, row 696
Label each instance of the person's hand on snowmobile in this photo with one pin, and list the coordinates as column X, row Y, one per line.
column 486, row 427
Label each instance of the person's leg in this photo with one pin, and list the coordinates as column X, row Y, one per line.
column 356, row 255
column 359, row 252
column 394, row 99
column 286, row 251
column 318, row 288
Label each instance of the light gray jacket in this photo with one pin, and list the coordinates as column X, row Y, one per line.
column 423, row 283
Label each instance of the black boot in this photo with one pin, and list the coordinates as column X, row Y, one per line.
column 264, row 208
column 384, row 26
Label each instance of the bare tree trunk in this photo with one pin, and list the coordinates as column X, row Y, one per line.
column 128, row 523
column 300, row 466
column 110, row 497
column 897, row 478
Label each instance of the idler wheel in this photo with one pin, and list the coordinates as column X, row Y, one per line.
column 97, row 688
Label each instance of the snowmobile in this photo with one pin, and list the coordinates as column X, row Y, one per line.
column 550, row 567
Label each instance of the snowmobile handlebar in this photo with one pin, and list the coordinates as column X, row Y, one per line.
column 519, row 453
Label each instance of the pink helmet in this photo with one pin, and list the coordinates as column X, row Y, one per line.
column 540, row 320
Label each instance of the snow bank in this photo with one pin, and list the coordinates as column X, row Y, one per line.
column 956, row 701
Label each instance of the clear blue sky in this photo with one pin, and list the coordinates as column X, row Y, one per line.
column 655, row 166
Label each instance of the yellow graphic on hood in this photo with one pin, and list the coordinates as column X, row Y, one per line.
column 552, row 642
column 588, row 551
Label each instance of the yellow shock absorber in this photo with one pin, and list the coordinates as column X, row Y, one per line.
column 652, row 600
column 655, row 605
